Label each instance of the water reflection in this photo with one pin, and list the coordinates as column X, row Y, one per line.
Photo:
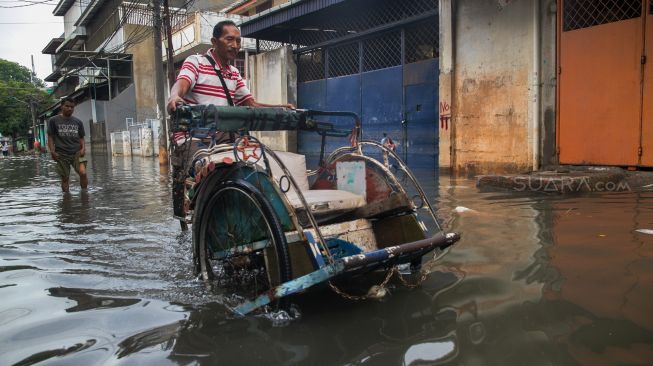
column 105, row 277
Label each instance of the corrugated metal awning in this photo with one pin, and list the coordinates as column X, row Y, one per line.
column 315, row 23
column 62, row 7
column 51, row 47
column 283, row 13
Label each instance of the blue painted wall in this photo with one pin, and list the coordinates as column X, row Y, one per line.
column 381, row 97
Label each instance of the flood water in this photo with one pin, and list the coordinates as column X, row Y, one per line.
column 104, row 277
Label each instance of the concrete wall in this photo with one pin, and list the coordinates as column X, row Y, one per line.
column 549, row 84
column 489, row 84
column 83, row 112
column 273, row 80
column 143, row 75
column 120, row 107
column 70, row 18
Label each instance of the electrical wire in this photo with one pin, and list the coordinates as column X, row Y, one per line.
column 27, row 3
column 136, row 36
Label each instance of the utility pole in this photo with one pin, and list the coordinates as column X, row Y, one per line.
column 32, row 107
column 170, row 66
column 158, row 74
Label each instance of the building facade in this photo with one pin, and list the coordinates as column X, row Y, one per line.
column 520, row 85
column 376, row 58
column 105, row 61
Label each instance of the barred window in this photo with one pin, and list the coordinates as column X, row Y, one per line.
column 239, row 63
column 588, row 13
column 343, row 60
column 422, row 42
column 382, row 52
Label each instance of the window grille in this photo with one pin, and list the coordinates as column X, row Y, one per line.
column 580, row 14
column 265, row 46
column 382, row 52
column 422, row 42
column 344, row 60
column 239, row 63
column 310, row 66
column 379, row 50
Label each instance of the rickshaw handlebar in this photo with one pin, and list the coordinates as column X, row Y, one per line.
column 235, row 119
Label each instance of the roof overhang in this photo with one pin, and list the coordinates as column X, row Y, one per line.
column 77, row 59
column 310, row 24
column 89, row 12
column 54, row 77
column 62, row 7
column 51, row 47
column 76, row 39
column 293, row 9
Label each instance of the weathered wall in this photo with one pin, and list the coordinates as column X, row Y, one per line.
column 549, row 84
column 120, row 107
column 83, row 112
column 273, row 80
column 143, row 75
column 445, row 9
column 491, row 86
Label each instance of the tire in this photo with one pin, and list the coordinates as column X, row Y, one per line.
column 239, row 243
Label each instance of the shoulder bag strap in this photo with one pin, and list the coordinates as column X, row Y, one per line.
column 227, row 93
column 224, row 85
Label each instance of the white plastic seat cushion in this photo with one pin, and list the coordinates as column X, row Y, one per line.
column 327, row 201
column 321, row 201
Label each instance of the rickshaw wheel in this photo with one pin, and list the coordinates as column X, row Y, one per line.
column 240, row 244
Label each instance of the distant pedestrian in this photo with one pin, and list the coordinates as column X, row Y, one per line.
column 66, row 144
column 37, row 147
column 5, row 148
column 387, row 142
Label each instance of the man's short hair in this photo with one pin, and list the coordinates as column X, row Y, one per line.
column 68, row 99
column 217, row 30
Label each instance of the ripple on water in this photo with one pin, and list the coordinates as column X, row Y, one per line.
column 106, row 277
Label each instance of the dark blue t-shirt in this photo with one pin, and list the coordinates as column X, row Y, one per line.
column 66, row 132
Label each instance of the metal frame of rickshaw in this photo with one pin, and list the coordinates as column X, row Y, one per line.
column 332, row 268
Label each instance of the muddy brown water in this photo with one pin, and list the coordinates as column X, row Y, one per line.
column 104, row 277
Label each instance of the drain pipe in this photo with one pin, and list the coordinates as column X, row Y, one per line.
column 537, row 56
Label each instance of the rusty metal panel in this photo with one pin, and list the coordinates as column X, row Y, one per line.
column 647, row 105
column 600, row 95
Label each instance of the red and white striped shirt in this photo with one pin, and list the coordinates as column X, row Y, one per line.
column 205, row 85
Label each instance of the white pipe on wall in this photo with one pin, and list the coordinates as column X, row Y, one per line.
column 537, row 56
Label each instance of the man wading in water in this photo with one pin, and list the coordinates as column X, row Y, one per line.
column 66, row 144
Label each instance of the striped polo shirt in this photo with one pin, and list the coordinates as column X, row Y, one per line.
column 205, row 85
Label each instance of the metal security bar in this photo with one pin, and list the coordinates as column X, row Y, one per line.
column 378, row 52
column 344, row 60
column 580, row 14
column 382, row 51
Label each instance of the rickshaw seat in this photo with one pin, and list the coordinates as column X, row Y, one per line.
column 322, row 202
column 325, row 204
